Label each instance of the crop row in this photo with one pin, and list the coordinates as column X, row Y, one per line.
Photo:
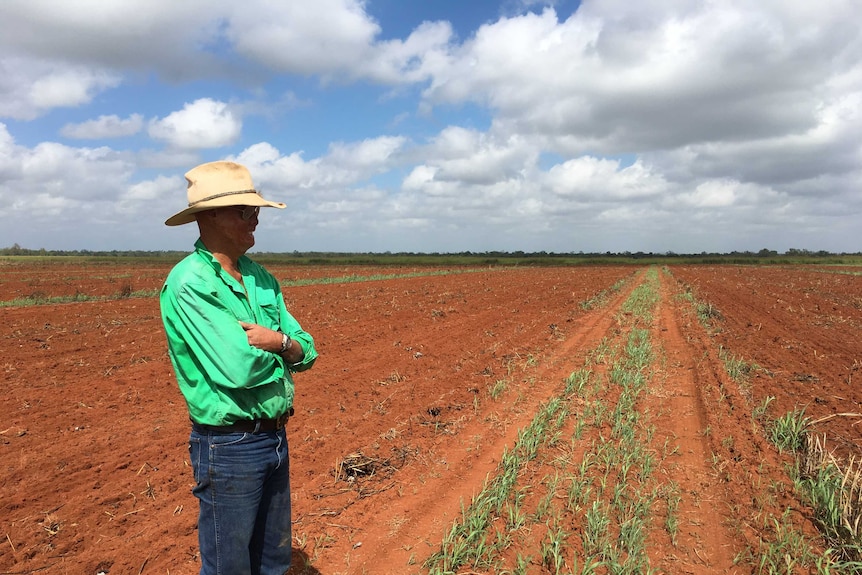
column 605, row 485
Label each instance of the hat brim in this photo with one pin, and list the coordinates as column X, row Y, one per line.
column 247, row 199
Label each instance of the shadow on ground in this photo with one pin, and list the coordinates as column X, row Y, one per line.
column 301, row 564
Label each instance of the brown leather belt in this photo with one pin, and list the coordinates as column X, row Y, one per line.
column 249, row 425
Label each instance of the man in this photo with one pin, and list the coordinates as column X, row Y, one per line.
column 234, row 347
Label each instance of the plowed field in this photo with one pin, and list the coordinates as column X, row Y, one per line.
column 423, row 385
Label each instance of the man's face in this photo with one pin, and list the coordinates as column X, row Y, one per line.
column 237, row 224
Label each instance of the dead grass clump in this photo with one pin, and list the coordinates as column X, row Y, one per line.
column 708, row 312
column 360, row 466
column 357, row 465
column 125, row 291
column 835, row 486
column 52, row 524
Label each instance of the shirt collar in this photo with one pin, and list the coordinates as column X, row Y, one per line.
column 208, row 257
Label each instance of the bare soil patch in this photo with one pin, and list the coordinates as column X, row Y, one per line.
column 802, row 328
column 396, row 425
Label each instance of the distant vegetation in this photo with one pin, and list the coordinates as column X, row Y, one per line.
column 467, row 258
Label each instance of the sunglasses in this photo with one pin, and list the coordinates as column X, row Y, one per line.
column 248, row 212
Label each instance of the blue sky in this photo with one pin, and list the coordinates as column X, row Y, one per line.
column 437, row 126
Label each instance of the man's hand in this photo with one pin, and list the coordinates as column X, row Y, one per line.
column 270, row 340
column 262, row 337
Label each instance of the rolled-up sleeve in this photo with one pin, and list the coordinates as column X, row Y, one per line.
column 291, row 327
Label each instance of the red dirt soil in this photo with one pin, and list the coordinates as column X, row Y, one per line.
column 93, row 446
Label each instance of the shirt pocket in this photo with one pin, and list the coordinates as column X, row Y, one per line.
column 268, row 304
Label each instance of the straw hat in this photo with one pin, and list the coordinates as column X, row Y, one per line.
column 216, row 185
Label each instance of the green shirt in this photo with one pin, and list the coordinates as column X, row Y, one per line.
column 223, row 378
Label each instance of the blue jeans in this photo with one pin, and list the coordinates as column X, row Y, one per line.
column 243, row 485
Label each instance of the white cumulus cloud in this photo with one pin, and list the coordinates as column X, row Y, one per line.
column 204, row 123
column 104, row 127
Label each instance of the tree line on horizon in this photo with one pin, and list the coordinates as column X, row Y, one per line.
column 17, row 250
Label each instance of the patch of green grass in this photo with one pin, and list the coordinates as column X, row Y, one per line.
column 601, row 298
column 354, row 278
column 737, row 368
column 671, row 522
column 41, row 299
column 759, row 412
column 497, row 389
column 788, row 431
